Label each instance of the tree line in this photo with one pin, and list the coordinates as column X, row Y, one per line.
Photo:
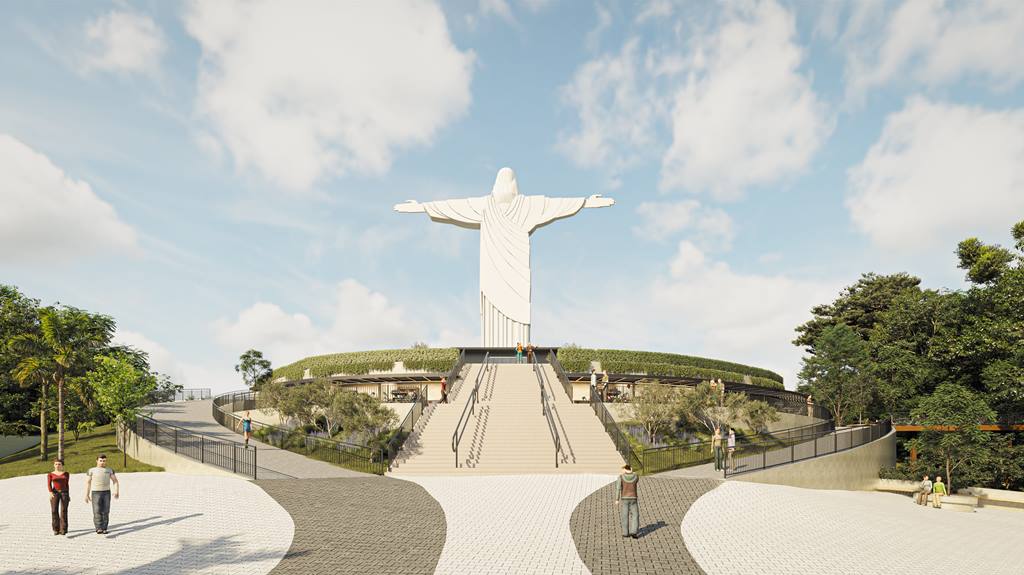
column 948, row 360
column 61, row 371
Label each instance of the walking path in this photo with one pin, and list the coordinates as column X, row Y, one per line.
column 162, row 524
column 359, row 526
column 510, row 524
column 197, row 416
column 741, row 528
column 660, row 548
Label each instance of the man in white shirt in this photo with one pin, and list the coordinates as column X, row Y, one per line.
column 593, row 384
column 97, row 489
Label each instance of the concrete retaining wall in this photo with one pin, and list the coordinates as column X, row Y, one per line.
column 852, row 470
column 14, row 443
column 147, row 452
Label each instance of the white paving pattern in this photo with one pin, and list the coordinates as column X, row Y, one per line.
column 741, row 528
column 510, row 524
column 163, row 523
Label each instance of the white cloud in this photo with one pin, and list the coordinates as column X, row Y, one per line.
column 160, row 359
column 358, row 318
column 739, row 111
column 604, row 21
column 745, row 115
column 499, row 8
column 935, row 42
column 655, row 9
column 939, row 173
column 123, row 41
column 44, row 214
column 616, row 112
column 712, row 228
column 304, row 91
column 219, row 376
column 700, row 307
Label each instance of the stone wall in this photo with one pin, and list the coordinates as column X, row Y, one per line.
column 852, row 470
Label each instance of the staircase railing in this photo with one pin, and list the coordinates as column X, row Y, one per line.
column 453, row 376
column 404, row 429
column 546, row 408
column 460, row 427
column 560, row 374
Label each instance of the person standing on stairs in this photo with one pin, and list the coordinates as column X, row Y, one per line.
column 444, row 390
column 593, row 384
column 626, row 498
column 519, row 352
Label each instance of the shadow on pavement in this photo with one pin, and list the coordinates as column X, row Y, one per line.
column 118, row 531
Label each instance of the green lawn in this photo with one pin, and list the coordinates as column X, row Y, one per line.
column 79, row 456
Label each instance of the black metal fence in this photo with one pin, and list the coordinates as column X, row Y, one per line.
column 233, row 457
column 193, row 394
column 560, row 373
column 546, row 410
column 470, row 408
column 419, row 405
column 810, row 444
column 349, row 455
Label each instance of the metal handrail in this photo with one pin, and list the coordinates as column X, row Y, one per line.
column 611, row 427
column 855, row 435
column 460, row 427
column 453, row 375
column 546, row 408
column 560, row 373
column 202, row 448
column 419, row 401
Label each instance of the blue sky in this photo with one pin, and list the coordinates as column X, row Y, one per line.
column 221, row 176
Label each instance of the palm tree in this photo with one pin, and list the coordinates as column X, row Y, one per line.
column 32, row 369
column 68, row 340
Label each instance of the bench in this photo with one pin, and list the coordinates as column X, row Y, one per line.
column 995, row 497
column 962, row 503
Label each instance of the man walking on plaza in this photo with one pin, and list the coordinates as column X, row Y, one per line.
column 938, row 490
column 926, row 490
column 626, row 498
column 57, row 484
column 97, row 489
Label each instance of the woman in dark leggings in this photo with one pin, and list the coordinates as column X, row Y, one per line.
column 57, row 484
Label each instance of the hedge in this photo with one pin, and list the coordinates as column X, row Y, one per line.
column 667, row 364
column 362, row 362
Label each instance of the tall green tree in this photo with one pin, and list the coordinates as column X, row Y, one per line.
column 952, row 436
column 19, row 315
column 65, row 345
column 838, row 374
column 705, row 407
column 255, row 369
column 656, row 408
column 858, row 307
column 121, row 391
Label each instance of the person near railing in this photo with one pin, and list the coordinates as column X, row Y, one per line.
column 604, row 385
column 529, row 353
column 247, row 428
column 626, row 497
column 519, row 352
column 731, row 450
column 444, row 390
column 593, row 384
column 810, row 406
column 716, row 445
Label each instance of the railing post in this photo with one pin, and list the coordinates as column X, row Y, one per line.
column 202, row 449
column 764, row 457
column 234, row 459
column 254, row 462
column 175, row 439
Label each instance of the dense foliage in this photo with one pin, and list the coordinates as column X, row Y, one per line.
column 664, row 364
column 329, row 409
column 361, row 362
column 947, row 358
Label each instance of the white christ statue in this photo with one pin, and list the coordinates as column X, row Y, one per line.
column 506, row 220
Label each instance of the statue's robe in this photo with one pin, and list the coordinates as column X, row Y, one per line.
column 504, row 255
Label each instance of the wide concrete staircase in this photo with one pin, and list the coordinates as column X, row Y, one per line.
column 508, row 433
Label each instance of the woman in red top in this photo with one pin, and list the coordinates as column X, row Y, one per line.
column 57, row 485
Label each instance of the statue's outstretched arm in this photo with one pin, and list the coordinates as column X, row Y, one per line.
column 410, row 207
column 598, row 201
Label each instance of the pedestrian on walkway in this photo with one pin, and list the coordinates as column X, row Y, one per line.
column 604, row 385
column 938, row 490
column 810, row 406
column 925, row 489
column 626, row 497
column 731, row 448
column 519, row 352
column 247, row 428
column 57, row 483
column 593, row 384
column 529, row 353
column 97, row 489
column 444, row 390
column 716, row 445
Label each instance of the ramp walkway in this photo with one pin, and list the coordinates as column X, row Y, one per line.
column 275, row 463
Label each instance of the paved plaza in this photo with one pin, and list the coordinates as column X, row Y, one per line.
column 567, row 524
column 162, row 524
column 741, row 528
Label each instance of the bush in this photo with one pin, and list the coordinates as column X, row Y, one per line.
column 363, row 362
column 628, row 361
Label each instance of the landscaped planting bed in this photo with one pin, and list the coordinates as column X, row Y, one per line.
column 576, row 359
column 362, row 362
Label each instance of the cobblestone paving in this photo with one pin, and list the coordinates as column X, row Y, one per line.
column 197, row 416
column 163, row 524
column 368, row 526
column 793, row 531
column 659, row 549
column 510, row 524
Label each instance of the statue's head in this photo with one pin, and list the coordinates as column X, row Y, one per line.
column 505, row 187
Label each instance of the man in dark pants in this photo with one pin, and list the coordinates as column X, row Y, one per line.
column 97, row 489
column 626, row 496
column 57, row 484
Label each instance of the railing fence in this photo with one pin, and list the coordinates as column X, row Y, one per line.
column 229, row 456
column 757, row 456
